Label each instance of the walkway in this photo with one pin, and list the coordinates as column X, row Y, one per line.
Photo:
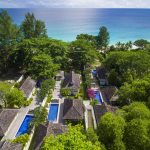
column 13, row 129
column 56, row 95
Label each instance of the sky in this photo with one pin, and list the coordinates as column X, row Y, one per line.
column 75, row 3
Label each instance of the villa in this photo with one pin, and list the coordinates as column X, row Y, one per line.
column 72, row 82
column 73, row 110
column 6, row 145
column 102, row 76
column 28, row 87
column 47, row 130
column 109, row 94
column 7, row 116
column 100, row 110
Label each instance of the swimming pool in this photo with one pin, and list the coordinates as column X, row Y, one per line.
column 98, row 96
column 53, row 111
column 25, row 125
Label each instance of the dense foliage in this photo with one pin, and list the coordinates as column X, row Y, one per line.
column 126, row 66
column 10, row 97
column 40, row 115
column 128, row 129
column 74, row 139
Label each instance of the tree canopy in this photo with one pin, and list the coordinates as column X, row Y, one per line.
column 42, row 67
column 32, row 27
column 74, row 139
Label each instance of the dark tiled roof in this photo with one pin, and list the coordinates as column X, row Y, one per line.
column 10, row 146
column 108, row 92
column 46, row 130
column 72, row 80
column 100, row 110
column 101, row 72
column 73, row 109
column 28, row 86
column 6, row 118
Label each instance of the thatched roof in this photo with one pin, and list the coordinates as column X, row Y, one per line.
column 101, row 72
column 73, row 109
column 72, row 80
column 28, row 86
column 109, row 93
column 47, row 130
column 100, row 110
column 6, row 118
column 5, row 145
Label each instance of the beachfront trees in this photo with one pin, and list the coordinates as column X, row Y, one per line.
column 103, row 38
column 40, row 115
column 141, row 43
column 75, row 139
column 127, row 63
column 33, row 28
column 28, row 48
column 81, row 54
column 111, row 131
column 42, row 67
column 9, row 34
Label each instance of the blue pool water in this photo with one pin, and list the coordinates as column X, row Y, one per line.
column 98, row 96
column 94, row 72
column 53, row 111
column 25, row 125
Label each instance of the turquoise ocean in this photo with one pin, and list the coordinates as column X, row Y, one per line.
column 66, row 24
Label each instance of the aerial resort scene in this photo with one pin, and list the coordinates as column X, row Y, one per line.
column 75, row 75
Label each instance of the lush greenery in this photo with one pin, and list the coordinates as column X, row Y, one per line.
column 65, row 92
column 40, row 115
column 126, row 66
column 22, row 139
column 46, row 87
column 10, row 97
column 127, row 129
column 74, row 139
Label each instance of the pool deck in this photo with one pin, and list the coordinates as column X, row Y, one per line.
column 13, row 129
column 56, row 95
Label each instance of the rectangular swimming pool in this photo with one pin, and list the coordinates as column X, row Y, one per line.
column 25, row 125
column 98, row 96
column 53, row 111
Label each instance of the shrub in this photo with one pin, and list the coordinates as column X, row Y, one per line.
column 65, row 92
column 22, row 139
column 93, row 102
column 28, row 102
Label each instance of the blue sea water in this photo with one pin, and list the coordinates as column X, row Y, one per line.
column 66, row 24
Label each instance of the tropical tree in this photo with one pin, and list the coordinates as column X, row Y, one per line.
column 46, row 87
column 10, row 97
column 33, row 28
column 40, row 115
column 9, row 35
column 81, row 54
column 141, row 43
column 103, row 38
column 74, row 139
column 137, row 135
column 42, row 67
column 138, row 90
column 111, row 131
